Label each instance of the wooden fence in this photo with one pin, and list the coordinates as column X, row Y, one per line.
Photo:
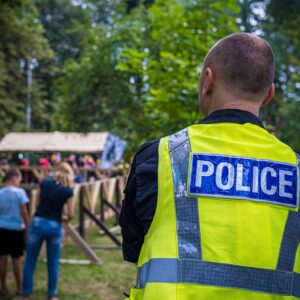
column 99, row 202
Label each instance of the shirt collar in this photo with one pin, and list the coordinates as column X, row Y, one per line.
column 232, row 116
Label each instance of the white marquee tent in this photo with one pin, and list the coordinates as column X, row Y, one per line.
column 54, row 141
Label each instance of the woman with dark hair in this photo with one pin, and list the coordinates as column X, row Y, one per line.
column 13, row 227
column 46, row 226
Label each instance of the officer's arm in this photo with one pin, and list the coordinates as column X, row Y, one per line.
column 132, row 229
column 140, row 200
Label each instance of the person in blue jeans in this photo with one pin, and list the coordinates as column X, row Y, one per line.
column 46, row 227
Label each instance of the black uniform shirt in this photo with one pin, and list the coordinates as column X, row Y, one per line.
column 141, row 191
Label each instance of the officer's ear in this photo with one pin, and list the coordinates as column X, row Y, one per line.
column 208, row 82
column 270, row 95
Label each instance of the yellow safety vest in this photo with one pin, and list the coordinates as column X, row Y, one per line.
column 227, row 222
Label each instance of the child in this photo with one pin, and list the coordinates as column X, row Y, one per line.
column 13, row 227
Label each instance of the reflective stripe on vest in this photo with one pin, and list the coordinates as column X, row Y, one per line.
column 190, row 268
column 290, row 240
column 189, row 245
column 171, row 270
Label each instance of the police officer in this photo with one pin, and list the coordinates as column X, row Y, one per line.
column 212, row 211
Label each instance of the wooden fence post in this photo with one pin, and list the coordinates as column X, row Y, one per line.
column 81, row 243
column 101, row 197
column 119, row 192
column 81, row 212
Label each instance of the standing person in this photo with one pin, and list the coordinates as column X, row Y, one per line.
column 47, row 226
column 13, row 227
column 212, row 211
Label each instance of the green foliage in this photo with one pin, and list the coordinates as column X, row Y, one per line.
column 21, row 38
column 138, row 76
column 132, row 67
column 278, row 22
column 64, row 25
column 165, row 71
column 93, row 91
column 283, row 115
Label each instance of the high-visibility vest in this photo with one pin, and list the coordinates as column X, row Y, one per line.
column 227, row 221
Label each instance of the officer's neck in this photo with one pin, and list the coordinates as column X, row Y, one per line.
column 252, row 107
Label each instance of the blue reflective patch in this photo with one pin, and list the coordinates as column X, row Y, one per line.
column 243, row 178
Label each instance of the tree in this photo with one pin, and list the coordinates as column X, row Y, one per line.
column 138, row 75
column 165, row 70
column 281, row 29
column 277, row 21
column 93, row 90
column 21, row 39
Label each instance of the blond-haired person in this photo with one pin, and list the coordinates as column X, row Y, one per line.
column 46, row 226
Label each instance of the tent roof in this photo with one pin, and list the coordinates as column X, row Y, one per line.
column 54, row 141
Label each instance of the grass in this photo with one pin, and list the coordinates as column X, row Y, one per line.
column 86, row 282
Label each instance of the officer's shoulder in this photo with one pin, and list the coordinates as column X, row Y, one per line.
column 285, row 145
column 146, row 151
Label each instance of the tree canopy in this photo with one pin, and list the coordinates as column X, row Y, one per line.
column 132, row 67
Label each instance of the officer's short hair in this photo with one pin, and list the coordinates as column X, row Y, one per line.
column 244, row 62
